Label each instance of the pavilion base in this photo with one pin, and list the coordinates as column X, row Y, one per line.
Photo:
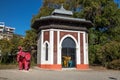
column 51, row 67
column 59, row 67
column 82, row 66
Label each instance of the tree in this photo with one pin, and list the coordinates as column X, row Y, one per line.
column 14, row 43
column 4, row 46
column 9, row 49
column 30, row 38
column 109, row 52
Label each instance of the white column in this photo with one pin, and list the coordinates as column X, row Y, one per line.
column 38, row 49
column 42, row 48
column 87, row 61
column 58, row 48
column 51, row 46
column 85, row 52
column 78, row 50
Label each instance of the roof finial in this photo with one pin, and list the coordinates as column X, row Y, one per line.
column 62, row 8
column 62, row 12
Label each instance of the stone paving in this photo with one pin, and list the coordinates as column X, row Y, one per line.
column 42, row 74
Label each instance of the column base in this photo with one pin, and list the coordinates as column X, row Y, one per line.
column 59, row 67
column 51, row 67
column 82, row 66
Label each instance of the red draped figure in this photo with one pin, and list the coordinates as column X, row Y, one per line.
column 27, row 60
column 20, row 58
column 23, row 59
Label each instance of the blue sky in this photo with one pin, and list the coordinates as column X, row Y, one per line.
column 117, row 1
column 18, row 13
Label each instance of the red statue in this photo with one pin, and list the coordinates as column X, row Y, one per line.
column 23, row 59
column 27, row 60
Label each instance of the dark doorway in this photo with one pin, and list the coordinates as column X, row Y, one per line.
column 68, row 53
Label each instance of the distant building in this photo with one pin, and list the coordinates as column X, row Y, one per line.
column 5, row 31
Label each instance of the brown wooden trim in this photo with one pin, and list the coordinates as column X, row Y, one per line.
column 46, row 36
column 55, row 47
column 74, row 34
column 81, row 48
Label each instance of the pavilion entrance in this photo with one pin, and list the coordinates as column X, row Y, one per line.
column 68, row 53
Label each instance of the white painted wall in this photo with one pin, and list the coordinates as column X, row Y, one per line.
column 41, row 51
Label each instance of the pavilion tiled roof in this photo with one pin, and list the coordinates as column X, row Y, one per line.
column 60, row 17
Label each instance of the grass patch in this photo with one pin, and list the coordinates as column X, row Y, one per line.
column 98, row 68
column 8, row 66
column 13, row 66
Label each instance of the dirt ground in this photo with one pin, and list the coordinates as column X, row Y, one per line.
column 65, row 74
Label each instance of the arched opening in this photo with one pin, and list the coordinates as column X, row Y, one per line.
column 46, row 52
column 68, row 53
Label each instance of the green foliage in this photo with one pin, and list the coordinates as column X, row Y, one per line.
column 44, row 11
column 114, row 33
column 4, row 46
column 115, row 64
column 30, row 39
column 14, row 43
column 109, row 52
column 94, row 57
column 9, row 49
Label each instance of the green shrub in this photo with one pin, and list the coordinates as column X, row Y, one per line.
column 115, row 64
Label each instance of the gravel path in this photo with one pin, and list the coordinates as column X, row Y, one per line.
column 41, row 74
